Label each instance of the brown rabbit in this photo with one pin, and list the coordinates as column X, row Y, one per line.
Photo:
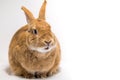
column 34, row 50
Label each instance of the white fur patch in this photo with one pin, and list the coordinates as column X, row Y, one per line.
column 42, row 50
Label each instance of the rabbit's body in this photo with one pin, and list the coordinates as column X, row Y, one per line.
column 34, row 51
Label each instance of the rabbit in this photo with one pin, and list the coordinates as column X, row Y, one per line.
column 34, row 51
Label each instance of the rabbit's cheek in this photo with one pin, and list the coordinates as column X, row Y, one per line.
column 32, row 41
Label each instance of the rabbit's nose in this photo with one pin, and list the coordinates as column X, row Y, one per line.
column 48, row 42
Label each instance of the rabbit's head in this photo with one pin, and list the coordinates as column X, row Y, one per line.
column 39, row 35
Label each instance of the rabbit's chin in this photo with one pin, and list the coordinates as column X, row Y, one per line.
column 43, row 50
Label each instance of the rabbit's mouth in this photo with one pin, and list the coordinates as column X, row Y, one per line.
column 43, row 49
column 46, row 48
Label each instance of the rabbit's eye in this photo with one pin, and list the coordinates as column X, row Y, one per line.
column 34, row 31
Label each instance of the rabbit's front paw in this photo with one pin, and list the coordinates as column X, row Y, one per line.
column 40, row 75
column 52, row 72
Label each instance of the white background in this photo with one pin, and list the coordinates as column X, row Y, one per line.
column 88, row 31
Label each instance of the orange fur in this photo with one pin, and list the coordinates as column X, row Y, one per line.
column 31, row 63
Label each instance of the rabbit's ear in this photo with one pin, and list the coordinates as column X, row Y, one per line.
column 29, row 16
column 42, row 11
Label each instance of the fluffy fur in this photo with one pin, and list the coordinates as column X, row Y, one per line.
column 34, row 50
